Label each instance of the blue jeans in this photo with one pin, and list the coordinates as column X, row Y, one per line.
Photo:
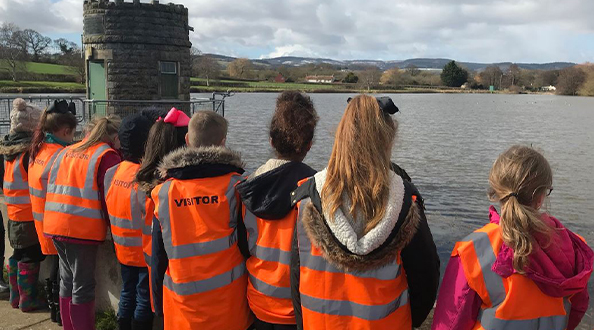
column 135, row 298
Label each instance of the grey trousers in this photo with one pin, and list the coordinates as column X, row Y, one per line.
column 77, row 271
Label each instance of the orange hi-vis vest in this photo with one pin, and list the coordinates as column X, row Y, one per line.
column 73, row 206
column 16, row 190
column 39, row 169
column 269, row 286
column 512, row 303
column 148, row 212
column 124, row 206
column 205, row 283
column 335, row 299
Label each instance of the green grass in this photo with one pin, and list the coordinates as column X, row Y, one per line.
column 106, row 320
column 44, row 68
column 41, row 84
column 260, row 85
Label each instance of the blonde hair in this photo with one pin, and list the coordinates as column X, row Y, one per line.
column 519, row 178
column 206, row 128
column 100, row 129
column 359, row 166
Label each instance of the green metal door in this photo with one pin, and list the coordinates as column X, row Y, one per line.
column 97, row 84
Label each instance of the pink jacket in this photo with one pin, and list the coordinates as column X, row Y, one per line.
column 562, row 269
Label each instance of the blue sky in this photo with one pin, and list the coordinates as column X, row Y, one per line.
column 465, row 30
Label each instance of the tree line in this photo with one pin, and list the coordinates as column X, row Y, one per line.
column 575, row 80
column 18, row 46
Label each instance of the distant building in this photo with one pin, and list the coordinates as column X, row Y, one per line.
column 319, row 79
column 549, row 88
column 279, row 79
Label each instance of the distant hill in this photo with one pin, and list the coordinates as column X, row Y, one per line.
column 422, row 63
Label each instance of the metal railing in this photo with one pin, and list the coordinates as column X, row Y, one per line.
column 87, row 109
column 40, row 101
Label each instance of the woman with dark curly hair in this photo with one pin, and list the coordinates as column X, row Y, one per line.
column 268, row 214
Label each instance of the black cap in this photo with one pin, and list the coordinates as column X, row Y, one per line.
column 133, row 134
column 385, row 103
column 62, row 107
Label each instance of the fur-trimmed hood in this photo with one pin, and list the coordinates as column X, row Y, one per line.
column 345, row 245
column 15, row 144
column 181, row 162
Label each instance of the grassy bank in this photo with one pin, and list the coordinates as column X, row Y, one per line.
column 43, row 68
column 9, row 86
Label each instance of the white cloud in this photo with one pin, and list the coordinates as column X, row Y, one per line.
column 468, row 30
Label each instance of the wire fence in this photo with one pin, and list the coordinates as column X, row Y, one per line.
column 87, row 109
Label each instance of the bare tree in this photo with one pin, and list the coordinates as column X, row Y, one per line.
column 12, row 54
column 240, row 68
column 370, row 76
column 413, row 70
column 392, row 77
column 35, row 42
column 206, row 66
column 491, row 76
column 514, row 73
column 570, row 80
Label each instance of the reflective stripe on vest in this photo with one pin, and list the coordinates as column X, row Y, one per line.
column 206, row 276
column 38, row 180
column 16, row 190
column 494, row 285
column 201, row 248
column 367, row 314
column 39, row 169
column 124, row 208
column 73, row 206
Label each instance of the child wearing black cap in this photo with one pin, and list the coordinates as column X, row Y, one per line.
column 125, row 206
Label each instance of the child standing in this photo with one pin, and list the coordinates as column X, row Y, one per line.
column 55, row 131
column 124, row 206
column 166, row 135
column 523, row 270
column 76, row 217
column 268, row 214
column 23, row 266
column 195, row 251
column 363, row 256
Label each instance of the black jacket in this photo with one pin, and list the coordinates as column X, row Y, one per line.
column 268, row 196
column 411, row 235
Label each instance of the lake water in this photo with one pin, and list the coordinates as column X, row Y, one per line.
column 447, row 143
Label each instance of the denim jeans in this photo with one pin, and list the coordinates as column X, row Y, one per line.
column 135, row 298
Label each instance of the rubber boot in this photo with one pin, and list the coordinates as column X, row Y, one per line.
column 83, row 315
column 65, row 303
column 124, row 323
column 142, row 325
column 27, row 279
column 49, row 297
column 3, row 285
column 56, row 300
column 13, row 271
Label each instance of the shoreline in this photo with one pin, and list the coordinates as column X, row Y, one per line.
column 82, row 90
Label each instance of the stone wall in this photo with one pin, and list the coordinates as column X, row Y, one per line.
column 132, row 38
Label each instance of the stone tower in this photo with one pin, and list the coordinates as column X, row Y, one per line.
column 136, row 51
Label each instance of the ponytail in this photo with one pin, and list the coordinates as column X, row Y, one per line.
column 49, row 123
column 518, row 179
column 100, row 130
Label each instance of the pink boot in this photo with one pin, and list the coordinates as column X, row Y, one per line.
column 83, row 315
column 65, row 312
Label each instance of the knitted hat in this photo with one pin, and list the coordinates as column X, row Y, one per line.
column 24, row 116
column 133, row 134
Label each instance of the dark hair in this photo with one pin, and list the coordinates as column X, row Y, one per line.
column 50, row 123
column 162, row 139
column 293, row 125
